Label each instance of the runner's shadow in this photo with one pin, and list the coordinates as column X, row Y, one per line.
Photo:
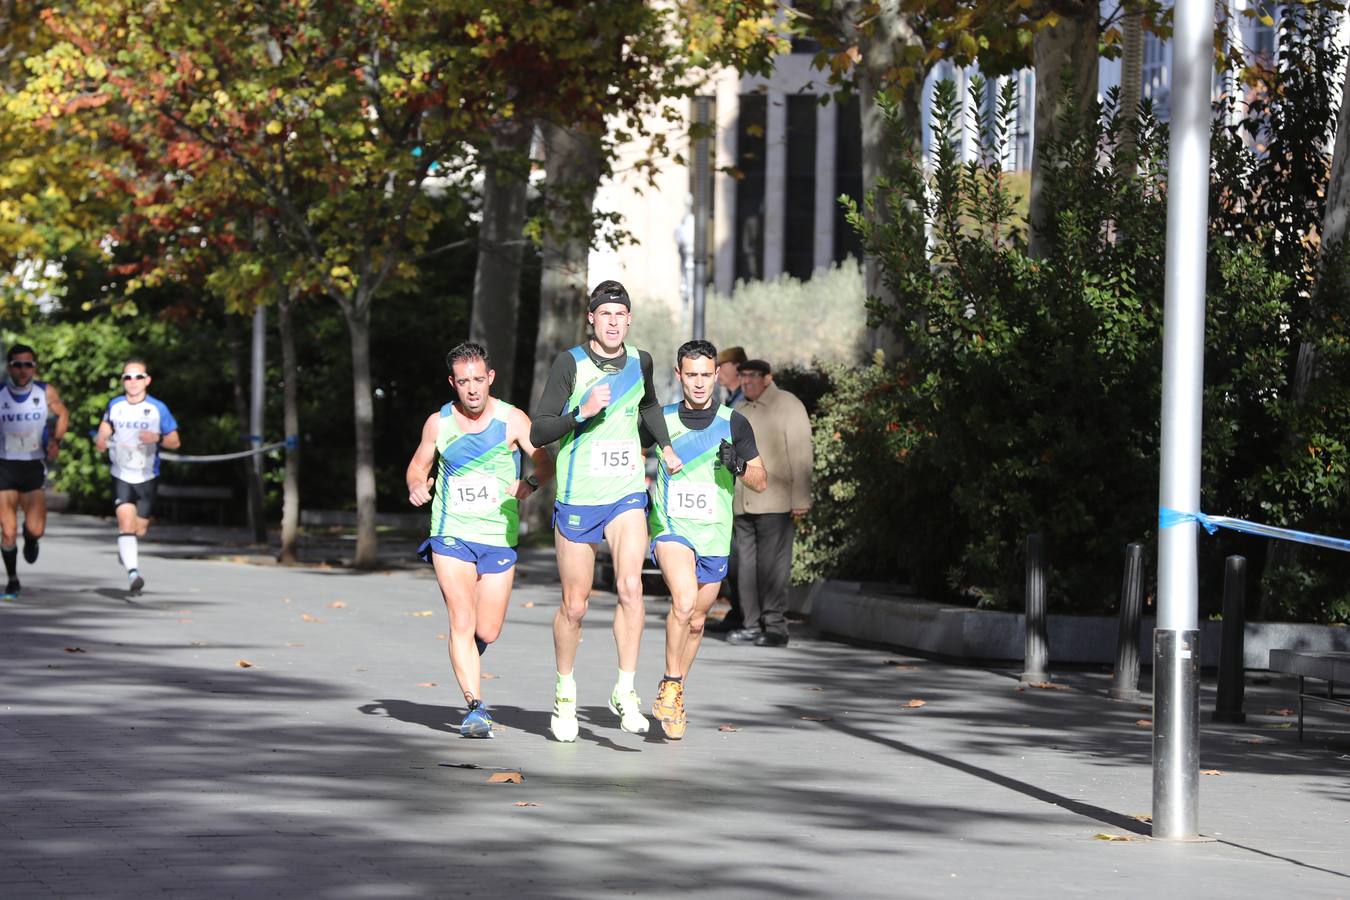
column 593, row 715
column 423, row 714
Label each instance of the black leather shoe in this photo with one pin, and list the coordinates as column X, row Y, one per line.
column 744, row 636
column 723, row 626
column 771, row 639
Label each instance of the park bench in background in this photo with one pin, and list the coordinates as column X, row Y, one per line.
column 1330, row 666
column 176, row 499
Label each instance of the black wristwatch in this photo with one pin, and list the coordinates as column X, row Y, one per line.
column 533, row 483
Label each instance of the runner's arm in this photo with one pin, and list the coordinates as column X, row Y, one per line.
column 756, row 477
column 169, row 439
column 55, row 405
column 418, row 476
column 543, row 463
column 105, row 431
column 548, row 426
column 649, row 407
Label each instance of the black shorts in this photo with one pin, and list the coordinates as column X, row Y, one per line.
column 143, row 495
column 22, row 475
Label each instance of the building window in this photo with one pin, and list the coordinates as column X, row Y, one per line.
column 847, row 177
column 750, row 145
column 799, row 226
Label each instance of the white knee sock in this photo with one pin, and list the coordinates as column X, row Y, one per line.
column 126, row 548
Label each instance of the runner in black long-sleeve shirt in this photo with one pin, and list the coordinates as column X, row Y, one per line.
column 600, row 390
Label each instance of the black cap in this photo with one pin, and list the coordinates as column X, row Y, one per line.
column 609, row 292
column 755, row 365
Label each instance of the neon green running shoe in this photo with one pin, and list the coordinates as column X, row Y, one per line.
column 563, row 722
column 628, row 708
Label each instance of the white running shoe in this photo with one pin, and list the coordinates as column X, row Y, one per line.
column 629, row 710
column 563, row 723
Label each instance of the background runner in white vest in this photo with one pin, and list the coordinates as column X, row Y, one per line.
column 134, row 428
column 33, row 421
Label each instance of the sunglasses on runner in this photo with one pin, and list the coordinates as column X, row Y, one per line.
column 22, row 364
column 134, row 376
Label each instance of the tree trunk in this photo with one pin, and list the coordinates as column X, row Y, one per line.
column 496, row 282
column 883, row 35
column 1067, row 50
column 252, row 487
column 358, row 326
column 290, row 495
column 572, row 168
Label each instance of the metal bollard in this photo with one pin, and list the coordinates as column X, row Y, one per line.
column 1232, row 677
column 1125, row 683
column 1035, row 661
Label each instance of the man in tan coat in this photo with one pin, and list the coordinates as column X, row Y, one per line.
column 766, row 522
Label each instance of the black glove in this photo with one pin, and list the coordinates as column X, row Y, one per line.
column 727, row 455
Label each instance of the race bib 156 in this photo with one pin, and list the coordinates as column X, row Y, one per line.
column 693, row 501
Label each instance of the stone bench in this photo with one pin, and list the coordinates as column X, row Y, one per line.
column 1329, row 666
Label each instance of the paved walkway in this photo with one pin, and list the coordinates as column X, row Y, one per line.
column 138, row 757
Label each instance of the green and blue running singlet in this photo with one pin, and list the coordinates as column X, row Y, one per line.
column 600, row 461
column 473, row 499
column 695, row 502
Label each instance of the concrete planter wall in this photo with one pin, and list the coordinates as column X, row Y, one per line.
column 841, row 608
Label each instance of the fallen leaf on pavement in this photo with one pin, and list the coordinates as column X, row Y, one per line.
column 904, row 667
column 1143, row 817
column 1103, row 836
column 308, row 618
column 486, row 676
column 728, row 728
column 1278, row 725
column 815, row 689
column 528, row 604
column 244, row 664
column 817, row 718
column 440, row 637
column 426, row 684
column 1047, row 686
column 525, row 803
column 423, row 613
column 295, row 645
column 199, row 643
column 74, row 649
column 1210, row 772
column 1254, row 740
column 915, row 704
column 337, row 604
column 1280, row 712
column 504, row 778
column 1144, row 723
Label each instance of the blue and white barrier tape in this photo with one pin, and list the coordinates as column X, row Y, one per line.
column 1170, row 517
column 290, row 442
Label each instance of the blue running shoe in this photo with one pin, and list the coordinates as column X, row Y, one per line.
column 478, row 722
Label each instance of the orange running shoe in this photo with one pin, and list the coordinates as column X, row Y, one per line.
column 668, row 708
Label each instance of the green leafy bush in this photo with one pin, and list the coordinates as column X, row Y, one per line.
column 1027, row 398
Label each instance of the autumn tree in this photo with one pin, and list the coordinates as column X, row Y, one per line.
column 331, row 116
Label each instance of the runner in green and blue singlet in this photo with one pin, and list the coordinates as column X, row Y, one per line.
column 475, row 515
column 690, row 521
column 592, row 403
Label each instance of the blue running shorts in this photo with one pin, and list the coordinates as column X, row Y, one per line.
column 586, row 524
column 707, row 569
column 488, row 559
